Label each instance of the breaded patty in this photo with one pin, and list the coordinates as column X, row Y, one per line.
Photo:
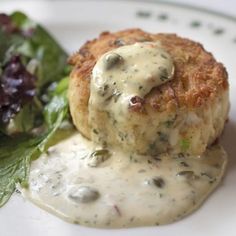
column 185, row 114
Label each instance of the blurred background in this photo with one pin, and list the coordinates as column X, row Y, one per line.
column 225, row 6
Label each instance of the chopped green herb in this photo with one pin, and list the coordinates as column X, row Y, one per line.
column 159, row 182
column 95, row 131
column 184, row 144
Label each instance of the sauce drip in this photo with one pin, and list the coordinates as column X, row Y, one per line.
column 120, row 80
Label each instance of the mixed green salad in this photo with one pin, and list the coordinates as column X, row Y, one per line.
column 33, row 102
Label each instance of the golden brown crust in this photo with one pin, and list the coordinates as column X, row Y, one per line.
column 198, row 77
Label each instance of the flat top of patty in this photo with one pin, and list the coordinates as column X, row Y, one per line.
column 198, row 77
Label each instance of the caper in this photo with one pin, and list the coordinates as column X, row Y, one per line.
column 112, row 60
column 97, row 157
column 84, row 194
column 188, row 174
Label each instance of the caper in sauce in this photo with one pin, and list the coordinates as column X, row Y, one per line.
column 112, row 60
column 188, row 174
column 97, row 157
column 84, row 194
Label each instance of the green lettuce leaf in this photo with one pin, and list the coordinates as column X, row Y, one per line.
column 15, row 155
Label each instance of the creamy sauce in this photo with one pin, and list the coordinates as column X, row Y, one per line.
column 84, row 184
column 120, row 80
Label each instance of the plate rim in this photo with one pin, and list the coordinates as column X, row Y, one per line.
column 181, row 5
column 163, row 2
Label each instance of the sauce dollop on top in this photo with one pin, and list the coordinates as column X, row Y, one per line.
column 119, row 83
column 126, row 74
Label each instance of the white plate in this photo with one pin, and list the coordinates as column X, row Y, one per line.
column 73, row 23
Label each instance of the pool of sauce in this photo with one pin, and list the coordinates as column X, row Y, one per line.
column 85, row 184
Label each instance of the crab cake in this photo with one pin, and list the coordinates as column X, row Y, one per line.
column 177, row 105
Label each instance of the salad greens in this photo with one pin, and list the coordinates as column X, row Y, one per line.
column 36, row 46
column 30, row 60
column 33, row 88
